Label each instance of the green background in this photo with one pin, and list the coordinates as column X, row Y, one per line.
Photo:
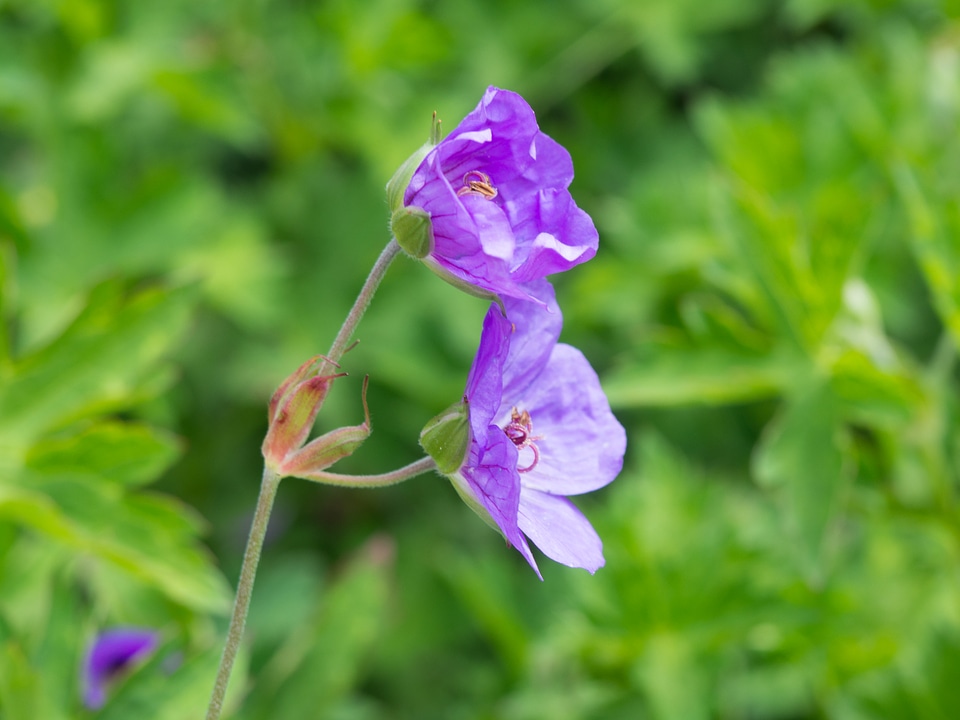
column 191, row 194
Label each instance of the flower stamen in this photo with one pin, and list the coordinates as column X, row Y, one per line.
column 519, row 430
column 477, row 183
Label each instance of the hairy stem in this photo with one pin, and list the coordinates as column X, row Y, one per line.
column 363, row 300
column 374, row 481
column 268, row 490
column 251, row 557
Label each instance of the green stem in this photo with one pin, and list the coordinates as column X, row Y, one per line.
column 362, row 301
column 373, row 481
column 251, row 557
column 268, row 491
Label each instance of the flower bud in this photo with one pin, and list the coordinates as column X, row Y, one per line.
column 305, row 371
column 324, row 451
column 446, row 437
column 293, row 409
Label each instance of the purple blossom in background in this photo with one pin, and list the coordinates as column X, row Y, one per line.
column 112, row 652
column 496, row 193
column 541, row 429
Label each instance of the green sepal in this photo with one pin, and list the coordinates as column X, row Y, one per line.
column 397, row 185
column 466, row 494
column 463, row 285
column 412, row 228
column 322, row 452
column 446, row 437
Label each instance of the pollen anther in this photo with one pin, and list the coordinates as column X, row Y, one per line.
column 477, row 183
column 519, row 430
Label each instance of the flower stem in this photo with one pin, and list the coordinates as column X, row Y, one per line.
column 268, row 491
column 373, row 481
column 251, row 557
column 363, row 300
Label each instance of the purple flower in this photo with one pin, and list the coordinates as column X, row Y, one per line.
column 113, row 652
column 495, row 191
column 541, row 429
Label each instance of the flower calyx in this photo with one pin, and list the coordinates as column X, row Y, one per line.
column 292, row 412
column 397, row 185
column 412, row 228
column 309, row 461
column 446, row 437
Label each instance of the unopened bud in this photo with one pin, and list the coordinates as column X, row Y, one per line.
column 293, row 409
column 324, row 451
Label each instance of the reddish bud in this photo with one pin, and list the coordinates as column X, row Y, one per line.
column 324, row 451
column 293, row 409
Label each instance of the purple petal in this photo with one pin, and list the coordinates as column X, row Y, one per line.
column 530, row 229
column 560, row 234
column 472, row 237
column 493, row 228
column 535, row 332
column 484, row 383
column 491, row 473
column 502, row 134
column 581, row 443
column 560, row 530
column 111, row 653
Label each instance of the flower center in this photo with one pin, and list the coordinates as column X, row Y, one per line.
column 520, row 432
column 477, row 183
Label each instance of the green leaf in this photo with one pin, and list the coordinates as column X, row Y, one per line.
column 483, row 588
column 711, row 376
column 105, row 355
column 319, row 663
column 935, row 240
column 795, row 211
column 149, row 536
column 155, row 691
column 61, row 650
column 20, row 697
column 125, row 453
column 673, row 678
column 802, row 455
column 880, row 398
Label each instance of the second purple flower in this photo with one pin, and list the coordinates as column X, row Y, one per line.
column 539, row 428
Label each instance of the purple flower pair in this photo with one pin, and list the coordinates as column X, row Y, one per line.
column 534, row 424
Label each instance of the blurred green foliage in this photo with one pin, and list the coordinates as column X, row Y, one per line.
column 190, row 197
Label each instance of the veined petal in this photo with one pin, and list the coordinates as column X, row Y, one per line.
column 491, row 473
column 560, row 530
column 580, row 442
column 557, row 235
column 485, row 381
column 493, row 228
column 535, row 332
